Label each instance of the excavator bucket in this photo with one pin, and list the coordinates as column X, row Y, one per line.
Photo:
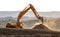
column 19, row 23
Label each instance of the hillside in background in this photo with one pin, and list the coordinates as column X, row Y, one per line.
column 51, row 22
column 29, row 14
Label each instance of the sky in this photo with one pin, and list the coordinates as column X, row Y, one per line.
column 19, row 5
column 40, row 5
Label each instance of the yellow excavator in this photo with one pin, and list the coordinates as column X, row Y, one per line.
column 19, row 23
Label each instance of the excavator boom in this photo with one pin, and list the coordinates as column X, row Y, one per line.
column 21, row 14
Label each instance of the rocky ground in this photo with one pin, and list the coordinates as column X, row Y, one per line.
column 8, row 32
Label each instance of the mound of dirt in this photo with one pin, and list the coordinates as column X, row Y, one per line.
column 41, row 26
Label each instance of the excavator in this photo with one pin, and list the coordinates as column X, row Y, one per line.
column 19, row 23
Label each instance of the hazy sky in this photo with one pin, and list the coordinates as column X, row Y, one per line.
column 18, row 5
column 40, row 5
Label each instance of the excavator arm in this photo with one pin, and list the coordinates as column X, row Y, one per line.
column 36, row 13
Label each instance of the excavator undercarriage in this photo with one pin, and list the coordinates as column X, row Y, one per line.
column 19, row 23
